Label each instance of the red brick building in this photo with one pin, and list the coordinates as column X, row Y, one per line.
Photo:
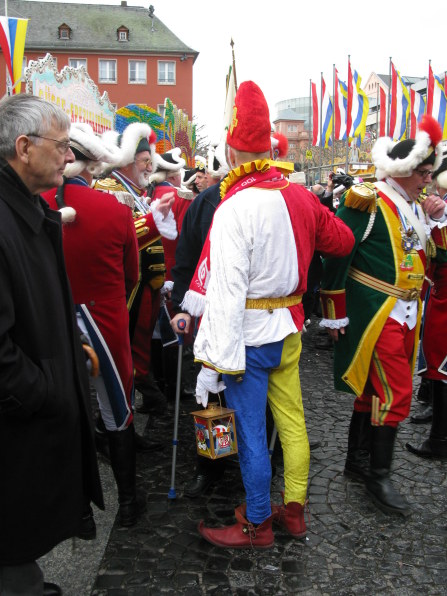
column 126, row 50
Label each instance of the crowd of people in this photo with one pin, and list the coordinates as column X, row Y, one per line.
column 107, row 245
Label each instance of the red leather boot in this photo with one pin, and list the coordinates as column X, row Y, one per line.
column 290, row 517
column 243, row 534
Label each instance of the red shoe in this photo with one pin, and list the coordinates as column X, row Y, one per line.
column 290, row 517
column 243, row 534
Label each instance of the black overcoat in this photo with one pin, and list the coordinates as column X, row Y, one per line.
column 47, row 455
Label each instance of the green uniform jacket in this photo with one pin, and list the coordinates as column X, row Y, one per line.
column 380, row 256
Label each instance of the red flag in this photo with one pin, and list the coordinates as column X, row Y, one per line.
column 349, row 108
column 315, row 120
column 430, row 90
column 382, row 124
column 393, row 93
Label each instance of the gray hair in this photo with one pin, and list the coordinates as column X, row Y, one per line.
column 25, row 114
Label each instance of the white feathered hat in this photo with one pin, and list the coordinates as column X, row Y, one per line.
column 165, row 163
column 401, row 158
column 135, row 138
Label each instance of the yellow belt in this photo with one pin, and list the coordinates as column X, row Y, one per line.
column 382, row 286
column 272, row 303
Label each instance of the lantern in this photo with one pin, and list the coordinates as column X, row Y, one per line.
column 215, row 430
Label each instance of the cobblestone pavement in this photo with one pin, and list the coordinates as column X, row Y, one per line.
column 351, row 547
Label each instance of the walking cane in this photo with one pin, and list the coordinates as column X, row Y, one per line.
column 181, row 325
column 273, row 441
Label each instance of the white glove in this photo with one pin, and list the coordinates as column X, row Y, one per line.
column 166, row 225
column 207, row 382
column 167, row 287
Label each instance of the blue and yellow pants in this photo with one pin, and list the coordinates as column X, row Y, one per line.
column 271, row 373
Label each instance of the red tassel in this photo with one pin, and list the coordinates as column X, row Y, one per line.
column 152, row 138
column 431, row 126
column 282, row 147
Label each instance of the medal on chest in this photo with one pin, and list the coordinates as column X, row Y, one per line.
column 409, row 241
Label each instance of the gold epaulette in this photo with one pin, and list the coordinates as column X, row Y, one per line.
column 362, row 197
column 141, row 227
column 109, row 185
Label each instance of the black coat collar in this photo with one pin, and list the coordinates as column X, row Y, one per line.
column 31, row 208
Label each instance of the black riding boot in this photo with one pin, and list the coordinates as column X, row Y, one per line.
column 359, row 445
column 378, row 482
column 123, row 461
column 435, row 447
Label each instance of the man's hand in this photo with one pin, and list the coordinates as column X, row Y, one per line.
column 333, row 333
column 165, row 203
column 207, row 382
column 434, row 206
column 174, row 322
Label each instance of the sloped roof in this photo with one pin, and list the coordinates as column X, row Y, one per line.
column 94, row 28
column 287, row 115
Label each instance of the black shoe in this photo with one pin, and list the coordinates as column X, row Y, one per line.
column 143, row 445
column 87, row 528
column 430, row 449
column 50, row 589
column 426, row 415
column 198, row 484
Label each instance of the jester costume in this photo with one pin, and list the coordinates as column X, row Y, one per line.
column 261, row 242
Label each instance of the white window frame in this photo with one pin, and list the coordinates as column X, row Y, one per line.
column 163, row 65
column 64, row 33
column 107, row 81
column 144, row 67
column 292, row 128
column 84, row 60
column 123, row 35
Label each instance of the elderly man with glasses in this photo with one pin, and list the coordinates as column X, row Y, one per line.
column 372, row 306
column 47, row 457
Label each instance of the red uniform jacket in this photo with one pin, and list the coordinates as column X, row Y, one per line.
column 101, row 255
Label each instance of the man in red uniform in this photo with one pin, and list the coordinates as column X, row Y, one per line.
column 434, row 337
column 102, row 274
column 152, row 221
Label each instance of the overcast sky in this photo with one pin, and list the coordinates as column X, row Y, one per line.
column 282, row 45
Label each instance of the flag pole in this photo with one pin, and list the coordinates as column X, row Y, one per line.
column 234, row 63
column 333, row 115
column 348, row 118
column 321, row 122
column 309, row 144
column 389, row 101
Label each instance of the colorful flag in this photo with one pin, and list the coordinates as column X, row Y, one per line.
column 436, row 100
column 417, row 110
column 399, row 106
column 229, row 101
column 358, row 106
column 325, row 120
column 340, row 108
column 12, row 42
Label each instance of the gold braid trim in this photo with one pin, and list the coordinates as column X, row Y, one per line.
column 258, row 165
column 362, row 197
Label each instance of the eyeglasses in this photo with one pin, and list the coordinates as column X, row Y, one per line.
column 424, row 173
column 146, row 161
column 62, row 146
